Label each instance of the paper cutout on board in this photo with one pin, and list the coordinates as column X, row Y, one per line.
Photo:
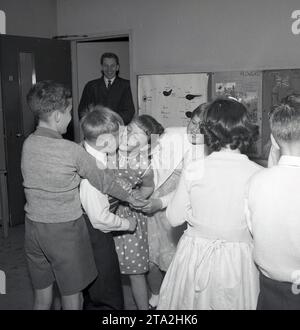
column 167, row 97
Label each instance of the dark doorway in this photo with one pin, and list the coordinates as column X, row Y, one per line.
column 24, row 61
column 86, row 55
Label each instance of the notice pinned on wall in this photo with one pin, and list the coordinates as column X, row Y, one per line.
column 167, row 97
column 2, row 22
column 245, row 86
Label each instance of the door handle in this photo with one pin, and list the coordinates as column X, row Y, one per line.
column 18, row 135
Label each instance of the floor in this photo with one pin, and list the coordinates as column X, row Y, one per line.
column 19, row 295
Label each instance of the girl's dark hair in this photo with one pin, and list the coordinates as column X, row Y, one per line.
column 227, row 123
column 149, row 125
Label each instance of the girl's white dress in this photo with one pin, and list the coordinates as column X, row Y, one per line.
column 162, row 237
column 166, row 162
column 213, row 267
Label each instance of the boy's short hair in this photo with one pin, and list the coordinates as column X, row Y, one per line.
column 109, row 55
column 227, row 122
column 99, row 120
column 285, row 122
column 48, row 96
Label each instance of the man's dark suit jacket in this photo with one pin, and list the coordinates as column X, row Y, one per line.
column 118, row 97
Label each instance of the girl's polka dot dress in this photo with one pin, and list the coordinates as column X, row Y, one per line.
column 132, row 248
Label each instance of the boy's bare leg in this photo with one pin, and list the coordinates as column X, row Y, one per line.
column 140, row 291
column 43, row 298
column 72, row 302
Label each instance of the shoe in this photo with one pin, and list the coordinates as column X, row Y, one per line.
column 153, row 301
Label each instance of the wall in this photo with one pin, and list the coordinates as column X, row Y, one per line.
column 88, row 60
column 34, row 18
column 175, row 36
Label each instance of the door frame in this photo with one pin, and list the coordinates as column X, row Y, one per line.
column 74, row 60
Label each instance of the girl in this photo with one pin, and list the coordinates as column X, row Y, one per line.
column 132, row 248
column 213, row 266
column 162, row 237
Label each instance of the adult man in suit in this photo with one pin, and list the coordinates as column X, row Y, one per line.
column 109, row 91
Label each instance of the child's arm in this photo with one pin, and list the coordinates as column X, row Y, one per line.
column 247, row 210
column 157, row 204
column 179, row 204
column 165, row 200
column 96, row 206
column 247, row 215
column 105, row 180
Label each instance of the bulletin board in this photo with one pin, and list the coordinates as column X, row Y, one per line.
column 167, row 97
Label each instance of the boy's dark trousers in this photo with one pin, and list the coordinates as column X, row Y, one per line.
column 105, row 293
column 276, row 295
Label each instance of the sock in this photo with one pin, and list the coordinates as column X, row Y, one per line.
column 153, row 301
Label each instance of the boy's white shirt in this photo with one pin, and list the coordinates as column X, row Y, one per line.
column 269, row 223
column 96, row 204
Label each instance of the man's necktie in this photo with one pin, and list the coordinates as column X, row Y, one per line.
column 108, row 84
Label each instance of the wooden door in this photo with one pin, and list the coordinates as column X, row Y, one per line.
column 24, row 61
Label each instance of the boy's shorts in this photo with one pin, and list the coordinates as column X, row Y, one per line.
column 59, row 252
column 275, row 295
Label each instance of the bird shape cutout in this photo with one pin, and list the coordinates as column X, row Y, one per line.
column 192, row 96
column 167, row 93
column 188, row 96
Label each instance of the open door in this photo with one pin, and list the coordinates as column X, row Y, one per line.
column 86, row 52
column 24, row 61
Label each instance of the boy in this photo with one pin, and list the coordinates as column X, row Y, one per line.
column 273, row 215
column 100, row 128
column 274, row 153
column 57, row 244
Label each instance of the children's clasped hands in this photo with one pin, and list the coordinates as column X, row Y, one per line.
column 138, row 200
column 149, row 206
column 154, row 205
